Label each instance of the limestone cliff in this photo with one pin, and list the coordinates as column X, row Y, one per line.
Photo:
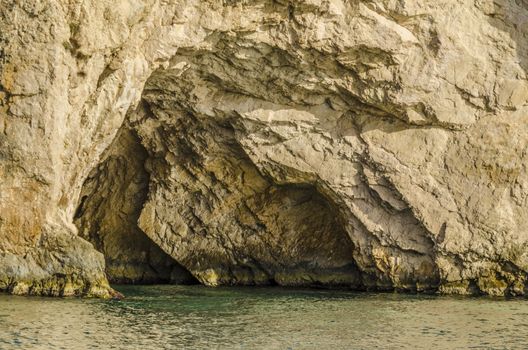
column 369, row 144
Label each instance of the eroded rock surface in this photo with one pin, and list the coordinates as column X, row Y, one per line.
column 374, row 144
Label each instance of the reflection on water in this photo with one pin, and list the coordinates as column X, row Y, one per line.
column 196, row 317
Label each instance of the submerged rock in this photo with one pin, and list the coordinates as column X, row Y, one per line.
column 371, row 144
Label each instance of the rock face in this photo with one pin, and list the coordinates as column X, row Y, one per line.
column 370, row 144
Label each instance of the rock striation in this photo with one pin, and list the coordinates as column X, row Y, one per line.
column 367, row 144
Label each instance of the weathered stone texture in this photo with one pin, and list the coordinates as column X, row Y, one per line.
column 375, row 144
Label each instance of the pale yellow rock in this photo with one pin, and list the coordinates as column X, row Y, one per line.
column 376, row 144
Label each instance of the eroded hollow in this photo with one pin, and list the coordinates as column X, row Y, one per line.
column 193, row 207
column 110, row 204
column 213, row 210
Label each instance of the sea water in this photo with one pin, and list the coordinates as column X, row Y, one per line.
column 197, row 317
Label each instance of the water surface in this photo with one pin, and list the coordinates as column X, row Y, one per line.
column 196, row 317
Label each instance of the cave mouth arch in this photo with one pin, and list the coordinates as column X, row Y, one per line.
column 241, row 227
column 177, row 190
column 299, row 241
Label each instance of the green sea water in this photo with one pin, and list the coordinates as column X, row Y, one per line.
column 196, row 317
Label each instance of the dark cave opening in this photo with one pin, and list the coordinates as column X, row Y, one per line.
column 230, row 224
column 286, row 234
column 176, row 199
column 110, row 203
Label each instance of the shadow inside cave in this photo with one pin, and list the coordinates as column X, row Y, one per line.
column 278, row 234
column 111, row 201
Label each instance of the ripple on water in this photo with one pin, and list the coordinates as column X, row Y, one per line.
column 195, row 317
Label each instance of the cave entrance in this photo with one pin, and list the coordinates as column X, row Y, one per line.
column 111, row 201
column 216, row 213
column 241, row 228
column 193, row 205
column 302, row 239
